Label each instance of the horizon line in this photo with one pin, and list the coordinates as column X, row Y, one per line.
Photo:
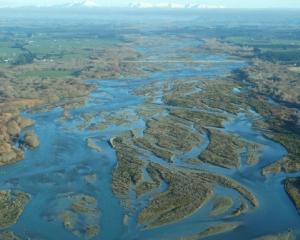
column 149, row 8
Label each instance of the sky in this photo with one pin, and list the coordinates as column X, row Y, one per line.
column 226, row 3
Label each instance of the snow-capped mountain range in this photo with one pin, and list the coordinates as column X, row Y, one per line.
column 85, row 3
column 90, row 4
column 144, row 5
column 173, row 5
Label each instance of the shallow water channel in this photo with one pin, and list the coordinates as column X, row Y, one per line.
column 63, row 159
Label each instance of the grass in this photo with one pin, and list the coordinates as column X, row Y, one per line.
column 45, row 47
column 7, row 52
column 58, row 48
column 282, row 50
column 263, row 42
column 46, row 74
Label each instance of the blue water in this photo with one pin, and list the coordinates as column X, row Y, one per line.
column 63, row 160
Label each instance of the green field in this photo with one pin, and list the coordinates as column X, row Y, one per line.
column 44, row 47
column 284, row 50
column 46, row 73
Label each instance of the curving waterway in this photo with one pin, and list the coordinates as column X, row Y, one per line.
column 63, row 159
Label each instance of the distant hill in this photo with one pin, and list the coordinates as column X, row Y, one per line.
column 173, row 5
column 92, row 4
column 84, row 4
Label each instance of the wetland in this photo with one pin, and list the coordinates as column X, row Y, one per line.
column 148, row 129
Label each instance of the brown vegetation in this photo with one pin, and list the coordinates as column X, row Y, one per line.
column 12, row 205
